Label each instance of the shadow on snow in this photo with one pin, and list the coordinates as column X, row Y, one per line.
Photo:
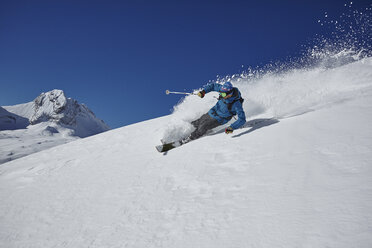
column 256, row 124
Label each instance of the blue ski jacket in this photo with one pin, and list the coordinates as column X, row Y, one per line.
column 221, row 111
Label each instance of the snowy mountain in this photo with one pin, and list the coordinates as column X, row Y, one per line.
column 300, row 177
column 51, row 119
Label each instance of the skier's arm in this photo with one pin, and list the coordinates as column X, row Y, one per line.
column 241, row 116
column 212, row 87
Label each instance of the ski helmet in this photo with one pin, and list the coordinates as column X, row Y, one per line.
column 226, row 87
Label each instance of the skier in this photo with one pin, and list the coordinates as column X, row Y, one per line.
column 229, row 104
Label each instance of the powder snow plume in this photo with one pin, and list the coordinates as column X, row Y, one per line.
column 331, row 69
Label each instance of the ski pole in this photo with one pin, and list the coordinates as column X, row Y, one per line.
column 182, row 93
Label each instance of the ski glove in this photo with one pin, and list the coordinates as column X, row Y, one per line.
column 201, row 94
column 228, row 130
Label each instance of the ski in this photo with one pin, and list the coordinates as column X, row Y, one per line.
column 164, row 147
column 168, row 146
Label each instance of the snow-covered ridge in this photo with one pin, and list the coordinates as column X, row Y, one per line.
column 51, row 119
column 55, row 107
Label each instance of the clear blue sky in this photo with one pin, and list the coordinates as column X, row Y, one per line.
column 118, row 57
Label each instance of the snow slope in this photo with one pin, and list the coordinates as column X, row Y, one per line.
column 302, row 178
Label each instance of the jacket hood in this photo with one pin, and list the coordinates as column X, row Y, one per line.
column 236, row 95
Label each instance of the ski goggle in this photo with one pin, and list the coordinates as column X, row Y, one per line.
column 224, row 94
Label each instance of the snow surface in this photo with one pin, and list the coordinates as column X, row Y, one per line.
column 50, row 120
column 302, row 178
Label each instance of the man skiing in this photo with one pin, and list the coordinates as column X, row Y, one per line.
column 229, row 104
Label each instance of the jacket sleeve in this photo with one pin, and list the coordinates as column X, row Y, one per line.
column 241, row 116
column 212, row 87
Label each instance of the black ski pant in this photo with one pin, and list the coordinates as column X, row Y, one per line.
column 202, row 125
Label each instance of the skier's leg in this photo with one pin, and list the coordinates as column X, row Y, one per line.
column 197, row 122
column 205, row 123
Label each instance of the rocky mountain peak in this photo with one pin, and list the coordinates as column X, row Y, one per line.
column 55, row 107
column 49, row 106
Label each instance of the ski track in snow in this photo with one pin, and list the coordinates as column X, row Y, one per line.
column 303, row 181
